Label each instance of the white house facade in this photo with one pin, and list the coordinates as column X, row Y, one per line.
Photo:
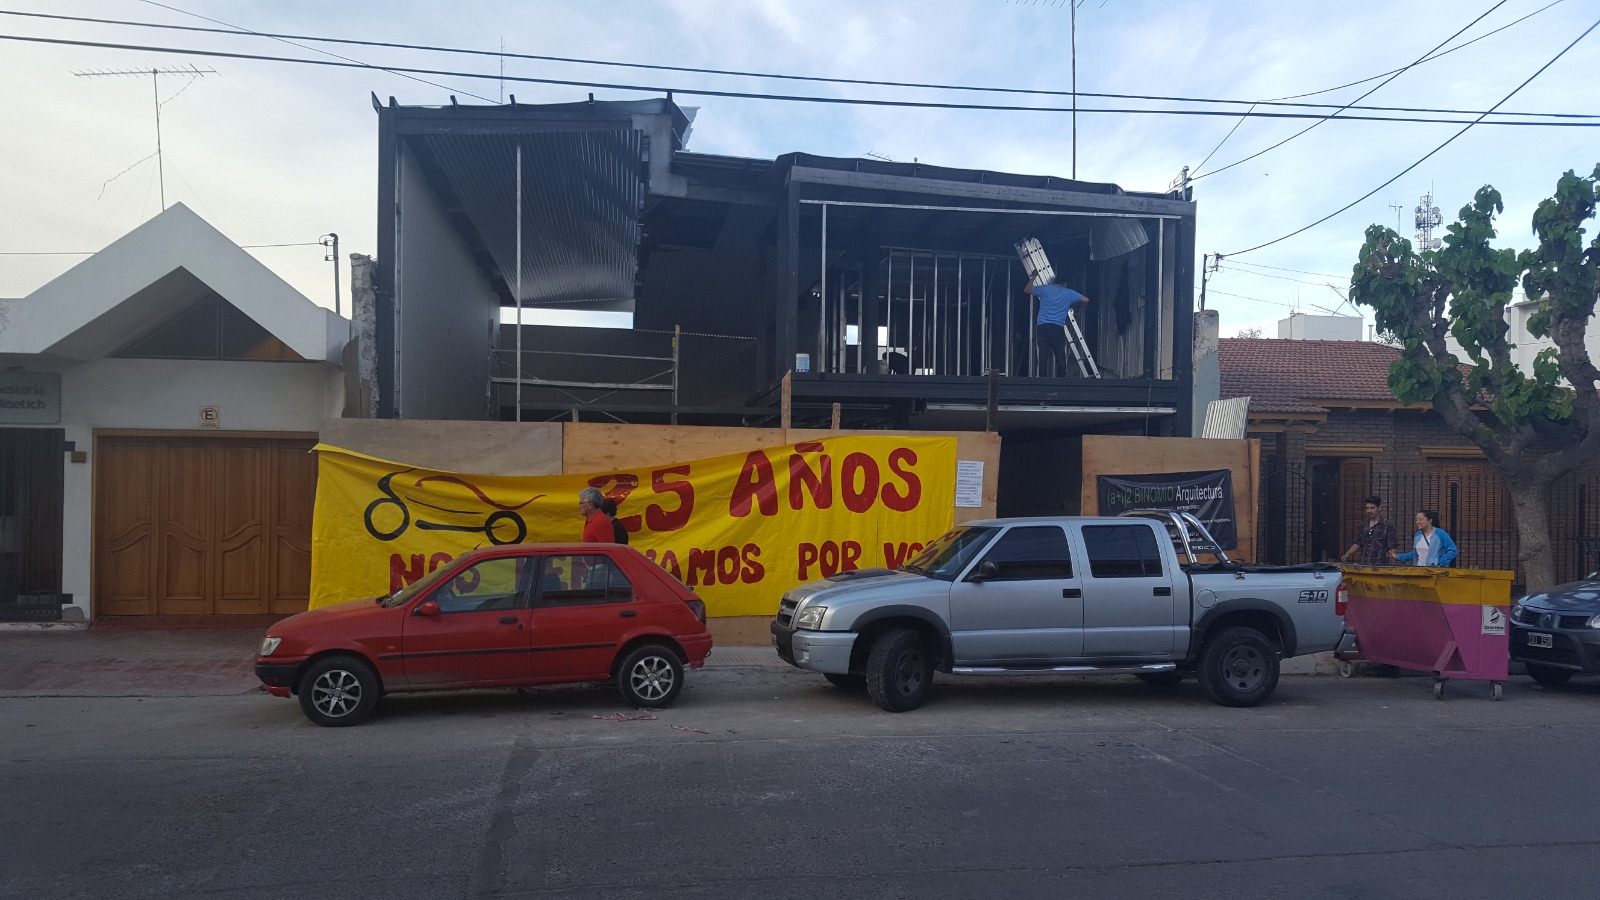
column 157, row 402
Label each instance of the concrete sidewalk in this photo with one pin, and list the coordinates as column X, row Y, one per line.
column 112, row 662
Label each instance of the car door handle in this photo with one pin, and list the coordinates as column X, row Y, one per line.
column 628, row 613
column 510, row 620
column 1162, row 591
column 1071, row 594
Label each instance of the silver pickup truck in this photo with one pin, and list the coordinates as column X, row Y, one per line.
column 1064, row 596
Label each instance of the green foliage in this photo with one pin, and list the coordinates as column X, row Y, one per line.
column 1563, row 269
column 1463, row 289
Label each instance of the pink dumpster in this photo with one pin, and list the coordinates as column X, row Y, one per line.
column 1451, row 622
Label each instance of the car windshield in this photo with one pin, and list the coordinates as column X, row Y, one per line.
column 946, row 557
column 427, row 581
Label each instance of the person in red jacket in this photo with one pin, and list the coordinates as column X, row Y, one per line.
column 596, row 524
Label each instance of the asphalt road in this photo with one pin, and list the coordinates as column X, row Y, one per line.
column 767, row 782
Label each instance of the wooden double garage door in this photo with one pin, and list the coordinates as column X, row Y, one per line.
column 203, row 525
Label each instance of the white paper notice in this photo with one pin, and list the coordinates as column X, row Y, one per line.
column 969, row 482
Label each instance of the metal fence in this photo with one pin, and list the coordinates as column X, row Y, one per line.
column 1310, row 512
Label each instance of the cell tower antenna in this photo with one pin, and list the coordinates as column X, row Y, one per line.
column 1427, row 219
column 155, row 86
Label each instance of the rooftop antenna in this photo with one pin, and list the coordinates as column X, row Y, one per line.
column 1398, row 208
column 155, row 86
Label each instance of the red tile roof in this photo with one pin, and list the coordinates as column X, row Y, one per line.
column 1290, row 376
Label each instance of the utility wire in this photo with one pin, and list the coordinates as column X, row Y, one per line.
column 1271, row 302
column 1461, row 46
column 794, row 98
column 1245, row 262
column 1280, row 277
column 1369, row 93
column 93, row 252
column 236, row 29
column 289, row 38
column 1427, row 155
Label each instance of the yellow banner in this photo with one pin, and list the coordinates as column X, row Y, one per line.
column 739, row 529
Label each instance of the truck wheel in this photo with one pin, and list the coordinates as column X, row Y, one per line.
column 338, row 691
column 1238, row 667
column 849, row 682
column 899, row 670
column 1549, row 676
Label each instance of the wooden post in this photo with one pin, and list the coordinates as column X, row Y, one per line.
column 992, row 420
column 784, row 403
column 835, row 417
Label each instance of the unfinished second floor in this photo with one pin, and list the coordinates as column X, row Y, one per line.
column 868, row 292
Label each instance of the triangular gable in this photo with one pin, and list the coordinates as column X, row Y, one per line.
column 153, row 273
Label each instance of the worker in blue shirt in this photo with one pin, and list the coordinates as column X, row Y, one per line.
column 1055, row 300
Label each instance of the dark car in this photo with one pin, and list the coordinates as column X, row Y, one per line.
column 501, row 616
column 1556, row 634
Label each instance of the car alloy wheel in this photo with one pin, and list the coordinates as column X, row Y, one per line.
column 338, row 691
column 650, row 676
column 336, row 694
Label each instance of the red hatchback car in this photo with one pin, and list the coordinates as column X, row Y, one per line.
column 502, row 616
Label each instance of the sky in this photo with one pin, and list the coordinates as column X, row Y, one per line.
column 275, row 153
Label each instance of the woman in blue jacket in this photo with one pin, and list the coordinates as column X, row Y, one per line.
column 1431, row 545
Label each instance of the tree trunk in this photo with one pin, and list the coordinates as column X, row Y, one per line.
column 1530, row 502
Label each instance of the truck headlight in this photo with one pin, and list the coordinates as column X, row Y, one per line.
column 269, row 644
column 810, row 617
column 1594, row 622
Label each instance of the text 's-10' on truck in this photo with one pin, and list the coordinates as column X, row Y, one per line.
column 1064, row 596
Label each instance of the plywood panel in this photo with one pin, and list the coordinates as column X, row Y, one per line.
column 1132, row 455
column 498, row 448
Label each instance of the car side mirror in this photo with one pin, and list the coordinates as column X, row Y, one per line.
column 986, row 570
column 429, row 608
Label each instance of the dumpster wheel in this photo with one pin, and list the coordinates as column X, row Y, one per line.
column 1496, row 690
column 1438, row 689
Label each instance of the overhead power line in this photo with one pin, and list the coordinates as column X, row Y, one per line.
column 290, row 38
column 93, row 252
column 1273, row 302
column 1461, row 46
column 1427, row 155
column 793, row 98
column 1369, row 93
column 1341, row 87
column 1256, row 265
column 236, row 29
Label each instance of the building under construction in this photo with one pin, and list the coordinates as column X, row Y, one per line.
column 889, row 294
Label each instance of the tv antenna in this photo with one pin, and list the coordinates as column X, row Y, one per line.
column 155, row 85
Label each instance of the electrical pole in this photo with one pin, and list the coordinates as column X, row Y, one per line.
column 155, row 88
column 1207, row 261
column 331, row 241
column 1074, row 89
